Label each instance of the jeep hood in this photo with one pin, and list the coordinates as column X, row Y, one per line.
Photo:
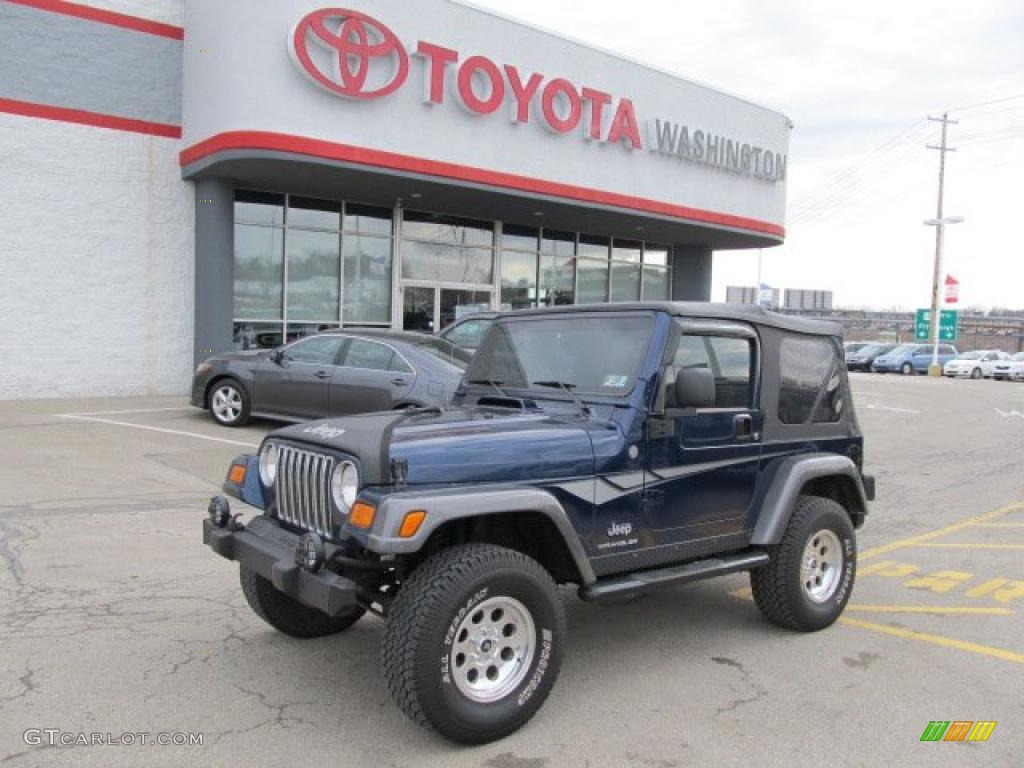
column 458, row 446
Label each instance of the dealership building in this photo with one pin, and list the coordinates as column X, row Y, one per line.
column 187, row 177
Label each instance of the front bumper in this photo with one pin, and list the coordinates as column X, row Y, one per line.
column 269, row 550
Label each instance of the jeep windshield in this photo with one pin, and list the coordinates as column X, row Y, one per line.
column 583, row 354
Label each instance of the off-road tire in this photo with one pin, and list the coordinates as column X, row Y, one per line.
column 417, row 649
column 290, row 616
column 778, row 591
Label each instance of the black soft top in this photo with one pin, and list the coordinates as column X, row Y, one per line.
column 748, row 313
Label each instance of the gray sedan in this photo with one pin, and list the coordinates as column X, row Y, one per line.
column 330, row 374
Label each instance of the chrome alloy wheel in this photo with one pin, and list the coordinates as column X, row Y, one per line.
column 227, row 404
column 821, row 566
column 493, row 649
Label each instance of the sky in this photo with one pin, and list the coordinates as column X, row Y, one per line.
column 858, row 80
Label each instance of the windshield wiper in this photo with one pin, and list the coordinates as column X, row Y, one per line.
column 568, row 389
column 493, row 383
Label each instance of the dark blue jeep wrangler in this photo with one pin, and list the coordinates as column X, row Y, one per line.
column 619, row 448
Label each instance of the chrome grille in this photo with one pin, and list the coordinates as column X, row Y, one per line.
column 304, row 488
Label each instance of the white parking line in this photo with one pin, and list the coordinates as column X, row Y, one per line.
column 872, row 407
column 1008, row 414
column 136, row 410
column 196, row 435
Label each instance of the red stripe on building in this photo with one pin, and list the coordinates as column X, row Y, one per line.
column 122, row 20
column 95, row 119
column 278, row 142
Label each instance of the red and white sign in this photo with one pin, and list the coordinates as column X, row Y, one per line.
column 952, row 290
column 351, row 54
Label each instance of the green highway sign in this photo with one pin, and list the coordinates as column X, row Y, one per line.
column 949, row 321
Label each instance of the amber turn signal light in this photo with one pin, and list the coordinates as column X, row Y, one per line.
column 411, row 524
column 237, row 474
column 361, row 515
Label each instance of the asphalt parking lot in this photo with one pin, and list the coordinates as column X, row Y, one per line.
column 115, row 618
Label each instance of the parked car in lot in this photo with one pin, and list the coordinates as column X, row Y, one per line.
column 330, row 374
column 853, row 346
column 468, row 331
column 975, row 364
column 912, row 358
column 861, row 359
column 618, row 448
column 1013, row 368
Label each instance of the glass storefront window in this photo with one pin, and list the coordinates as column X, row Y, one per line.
column 259, row 272
column 368, row 220
column 314, row 214
column 302, row 330
column 593, row 247
column 656, row 254
column 313, row 266
column 592, row 281
column 264, row 208
column 557, row 280
column 558, row 243
column 436, row 262
column 518, row 279
column 656, row 286
column 258, row 335
column 367, row 279
column 451, row 230
column 519, row 238
column 627, row 250
column 625, row 281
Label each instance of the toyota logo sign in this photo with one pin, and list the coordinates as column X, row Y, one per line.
column 349, row 53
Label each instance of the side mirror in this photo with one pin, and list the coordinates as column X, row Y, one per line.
column 278, row 356
column 695, row 388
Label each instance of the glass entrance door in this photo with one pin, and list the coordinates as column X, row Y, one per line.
column 428, row 309
column 456, row 303
column 419, row 309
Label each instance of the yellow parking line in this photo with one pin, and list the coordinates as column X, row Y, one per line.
column 967, row 545
column 862, row 608
column 924, row 637
column 913, row 540
column 999, row 525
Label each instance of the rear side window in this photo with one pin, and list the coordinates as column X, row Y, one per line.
column 810, row 387
column 368, row 355
column 730, row 360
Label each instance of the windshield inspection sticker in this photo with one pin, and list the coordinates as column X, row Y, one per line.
column 615, row 381
column 324, row 431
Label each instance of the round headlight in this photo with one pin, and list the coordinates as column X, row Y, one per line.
column 268, row 464
column 345, row 485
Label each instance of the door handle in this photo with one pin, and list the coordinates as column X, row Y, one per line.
column 323, row 375
column 399, row 381
column 743, row 427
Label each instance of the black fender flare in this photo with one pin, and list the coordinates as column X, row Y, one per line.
column 444, row 505
column 791, row 476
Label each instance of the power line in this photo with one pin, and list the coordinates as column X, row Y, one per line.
column 987, row 103
column 903, row 137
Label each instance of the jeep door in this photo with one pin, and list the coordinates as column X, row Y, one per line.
column 373, row 376
column 703, row 472
column 297, row 384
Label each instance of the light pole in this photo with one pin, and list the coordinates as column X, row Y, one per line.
column 940, row 235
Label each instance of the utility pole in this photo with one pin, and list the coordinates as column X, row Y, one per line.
column 940, row 226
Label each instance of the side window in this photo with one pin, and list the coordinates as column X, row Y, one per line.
column 946, row 351
column 320, row 350
column 468, row 334
column 398, row 365
column 368, row 354
column 810, row 383
column 731, row 362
